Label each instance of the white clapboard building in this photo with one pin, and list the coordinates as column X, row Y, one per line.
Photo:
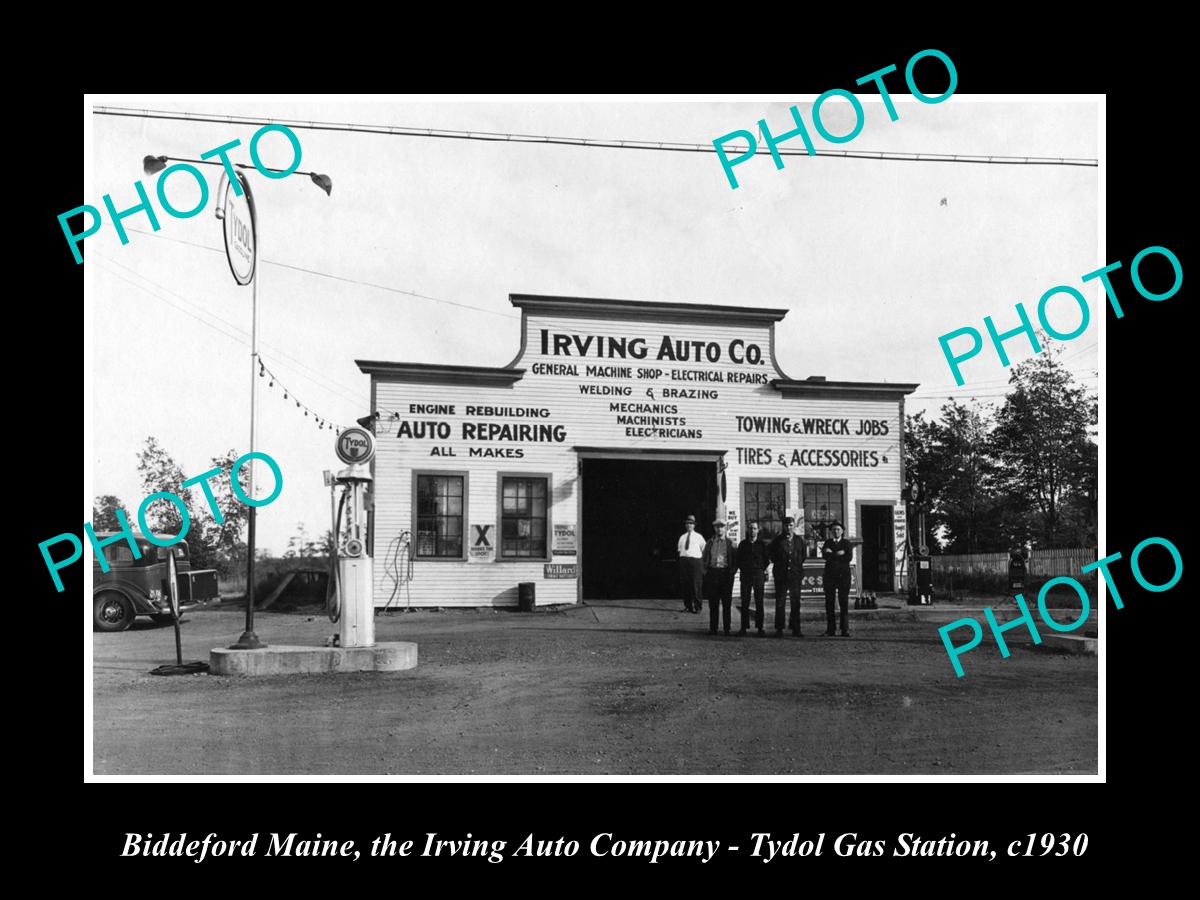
column 572, row 468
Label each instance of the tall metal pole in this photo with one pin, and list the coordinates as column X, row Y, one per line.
column 249, row 640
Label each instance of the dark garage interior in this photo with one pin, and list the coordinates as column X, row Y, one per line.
column 633, row 512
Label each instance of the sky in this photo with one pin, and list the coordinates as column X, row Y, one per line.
column 873, row 259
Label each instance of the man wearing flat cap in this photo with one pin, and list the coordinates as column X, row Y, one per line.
column 719, row 565
column 691, row 566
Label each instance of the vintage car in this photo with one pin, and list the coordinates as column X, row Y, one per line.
column 138, row 587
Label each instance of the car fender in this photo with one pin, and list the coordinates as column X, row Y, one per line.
column 141, row 603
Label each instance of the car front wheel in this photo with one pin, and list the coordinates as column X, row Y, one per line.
column 112, row 612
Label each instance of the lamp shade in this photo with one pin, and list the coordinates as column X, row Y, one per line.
column 324, row 182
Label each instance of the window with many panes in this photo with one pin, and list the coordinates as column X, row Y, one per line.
column 764, row 502
column 523, row 516
column 440, row 516
column 824, row 504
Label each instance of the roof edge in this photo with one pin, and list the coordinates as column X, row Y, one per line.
column 590, row 307
column 430, row 373
column 848, row 390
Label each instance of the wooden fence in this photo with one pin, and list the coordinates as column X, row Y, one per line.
column 1048, row 563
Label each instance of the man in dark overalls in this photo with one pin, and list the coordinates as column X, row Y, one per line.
column 796, row 582
column 838, row 553
column 787, row 554
column 752, row 562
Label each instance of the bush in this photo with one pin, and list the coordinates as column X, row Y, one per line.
column 1061, row 596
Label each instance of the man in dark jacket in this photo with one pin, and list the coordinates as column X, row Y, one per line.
column 838, row 553
column 719, row 566
column 752, row 562
column 787, row 556
column 797, row 551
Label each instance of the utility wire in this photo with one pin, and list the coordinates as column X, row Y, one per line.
column 501, row 137
column 381, row 287
column 114, row 274
column 340, row 390
column 993, row 388
column 289, row 394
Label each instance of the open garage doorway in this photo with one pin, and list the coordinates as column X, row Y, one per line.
column 877, row 558
column 632, row 516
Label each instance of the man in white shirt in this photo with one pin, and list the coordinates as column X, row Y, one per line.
column 691, row 566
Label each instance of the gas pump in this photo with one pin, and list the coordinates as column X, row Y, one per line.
column 352, row 584
column 920, row 579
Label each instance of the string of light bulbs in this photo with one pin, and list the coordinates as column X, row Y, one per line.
column 289, row 394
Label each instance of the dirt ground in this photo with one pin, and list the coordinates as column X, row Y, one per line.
column 630, row 687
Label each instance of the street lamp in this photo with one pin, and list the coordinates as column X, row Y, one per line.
column 153, row 165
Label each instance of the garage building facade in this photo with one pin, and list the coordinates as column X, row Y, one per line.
column 574, row 466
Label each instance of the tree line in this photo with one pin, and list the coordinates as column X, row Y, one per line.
column 211, row 546
column 1024, row 471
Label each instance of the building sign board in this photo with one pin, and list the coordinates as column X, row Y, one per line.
column 483, row 546
column 564, row 539
column 241, row 244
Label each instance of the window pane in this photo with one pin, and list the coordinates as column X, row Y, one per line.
column 439, row 515
column 823, row 504
column 524, row 514
column 764, row 503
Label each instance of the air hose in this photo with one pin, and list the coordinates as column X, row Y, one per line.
column 333, row 593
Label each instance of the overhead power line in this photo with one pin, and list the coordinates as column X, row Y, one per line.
column 322, row 380
column 600, row 143
column 236, row 334
column 370, row 284
column 288, row 394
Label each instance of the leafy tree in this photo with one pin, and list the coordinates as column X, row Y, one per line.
column 104, row 513
column 1043, row 444
column 223, row 542
column 211, row 544
column 967, row 499
column 921, row 467
column 161, row 473
column 327, row 544
column 301, row 546
column 951, row 457
column 1026, row 473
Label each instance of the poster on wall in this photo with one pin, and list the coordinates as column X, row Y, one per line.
column 813, row 581
column 483, row 547
column 564, row 539
column 732, row 525
column 559, row 570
